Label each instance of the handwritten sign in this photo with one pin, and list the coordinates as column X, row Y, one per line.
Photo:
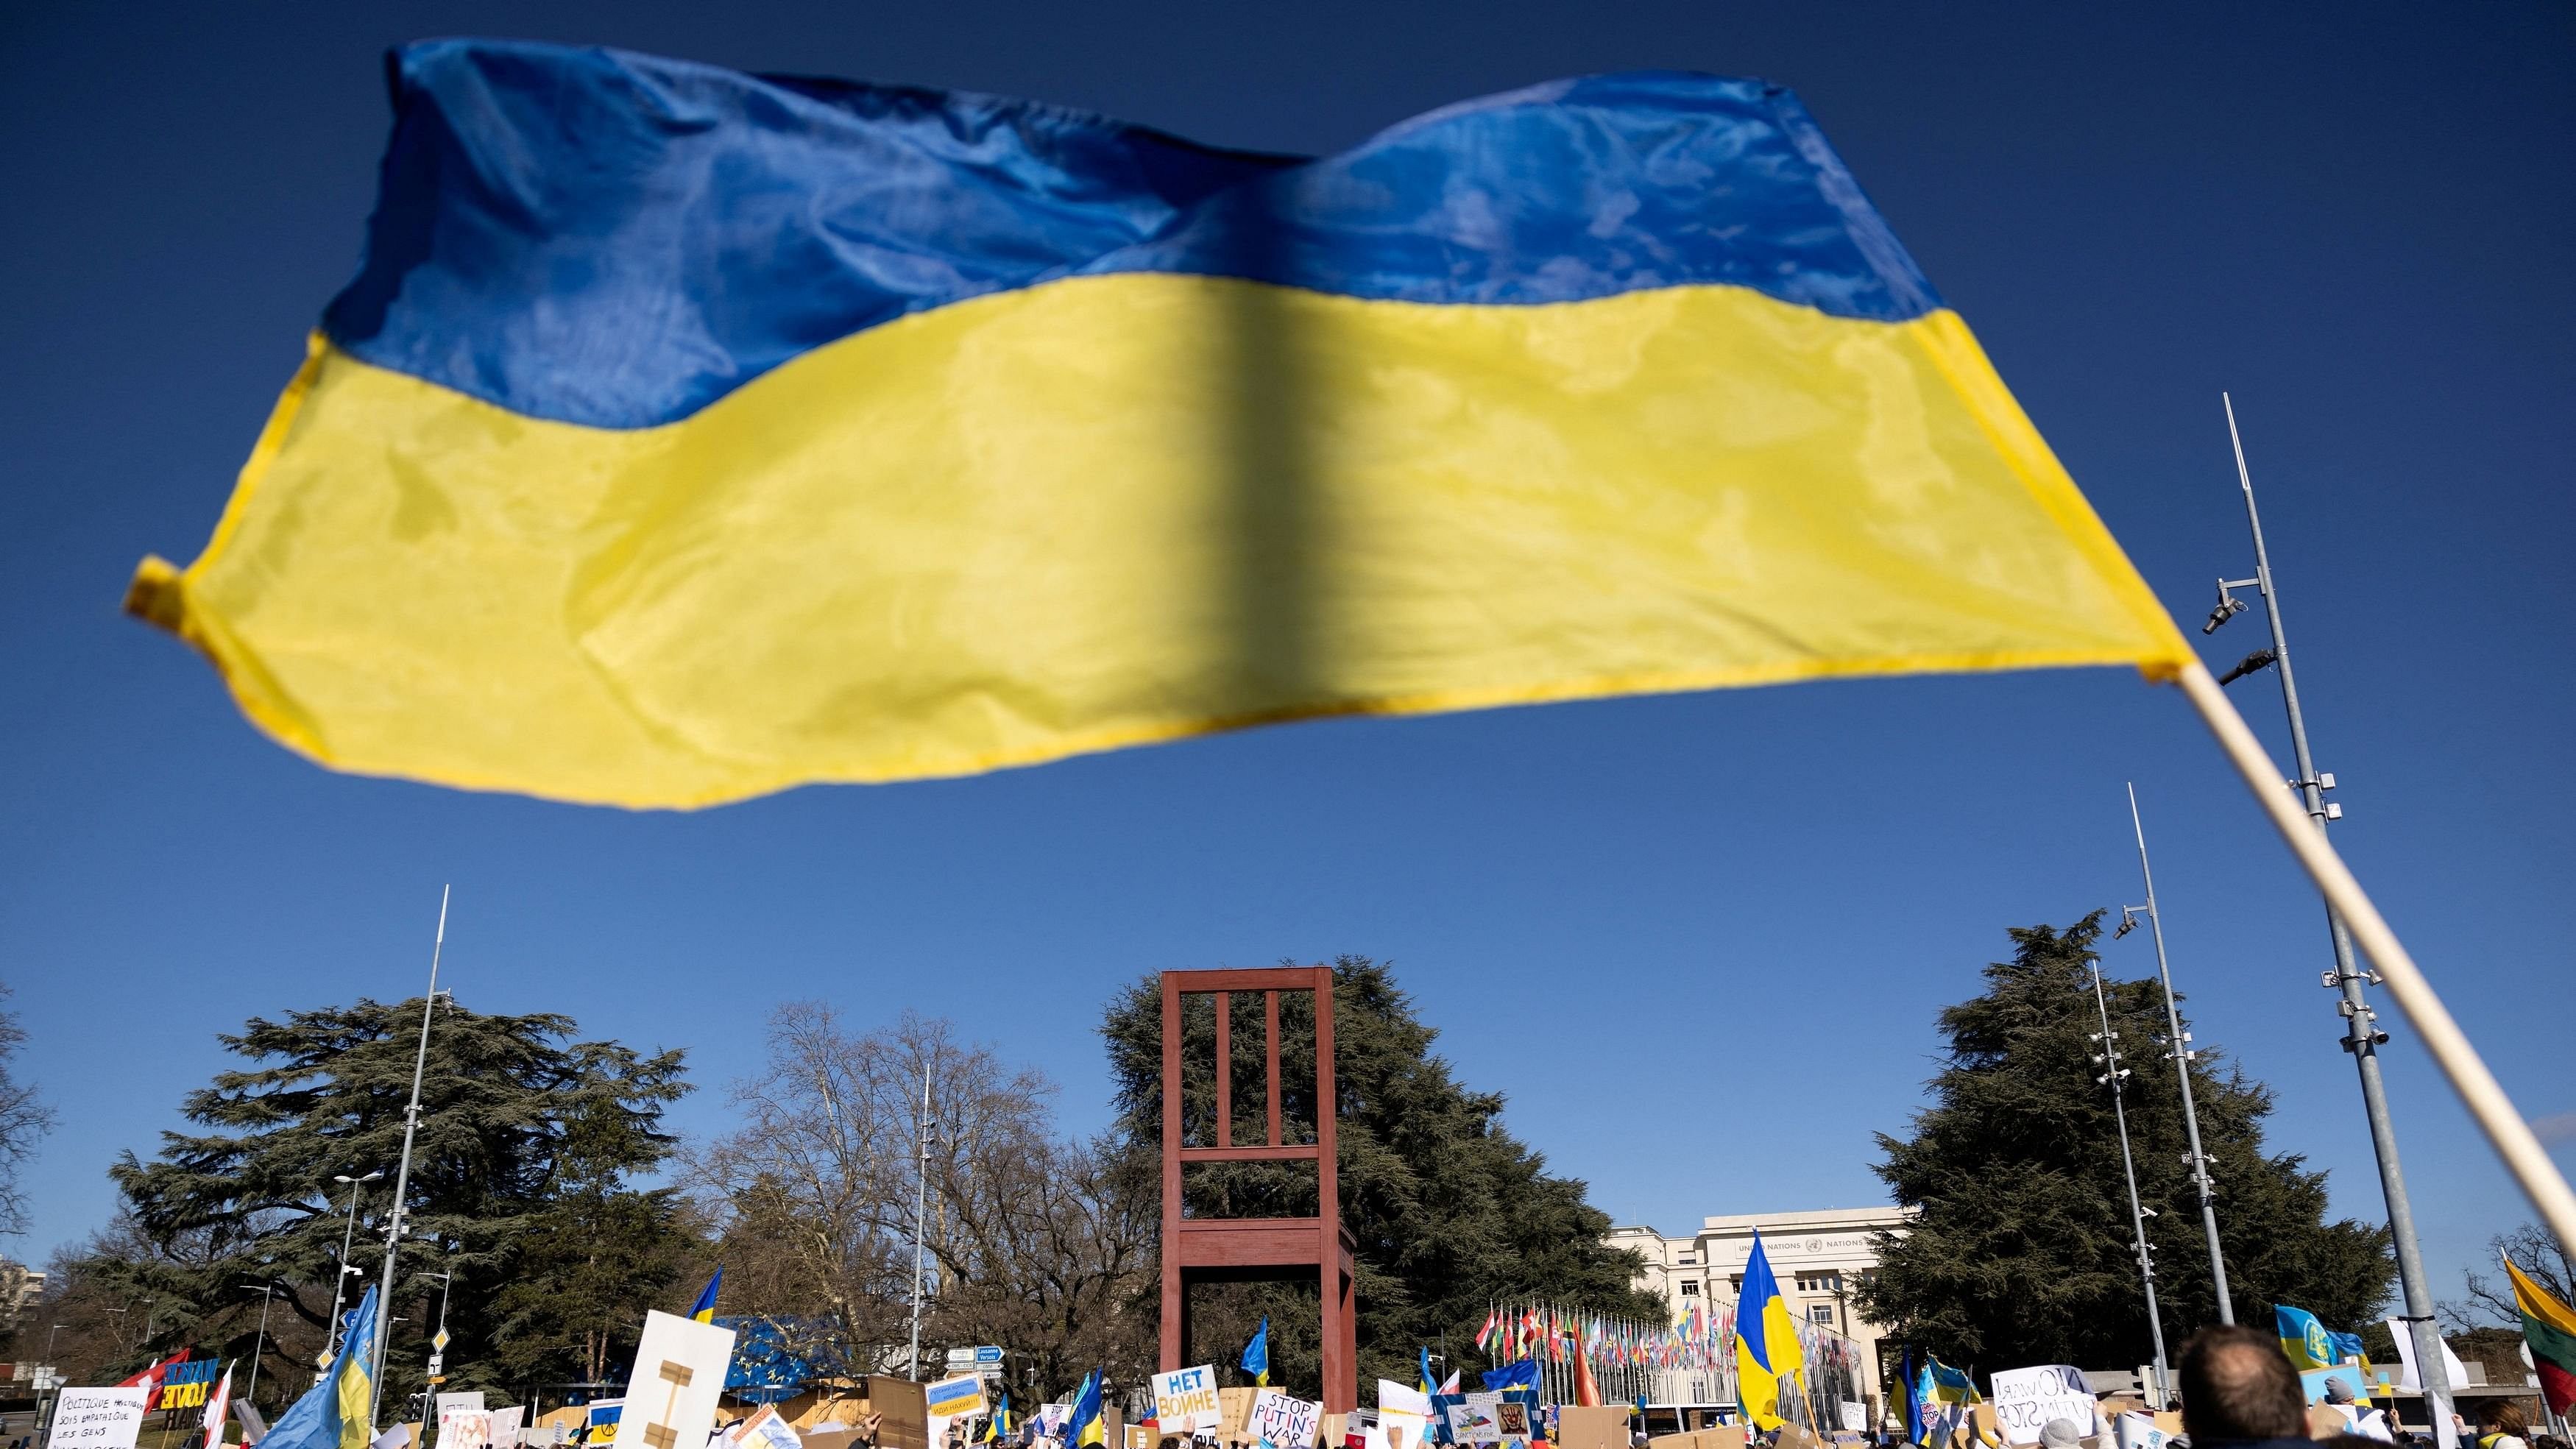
column 2026, row 1399
column 1284, row 1421
column 97, row 1418
column 1185, row 1400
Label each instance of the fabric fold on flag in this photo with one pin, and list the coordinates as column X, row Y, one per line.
column 688, row 435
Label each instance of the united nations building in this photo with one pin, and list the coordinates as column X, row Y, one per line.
column 1820, row 1258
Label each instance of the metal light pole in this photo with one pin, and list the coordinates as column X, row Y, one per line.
column 920, row 1213
column 2183, row 1056
column 259, row 1345
column 2114, row 1076
column 402, row 1175
column 2362, row 1036
column 339, row 1287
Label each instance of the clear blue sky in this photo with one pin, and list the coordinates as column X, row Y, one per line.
column 2361, row 220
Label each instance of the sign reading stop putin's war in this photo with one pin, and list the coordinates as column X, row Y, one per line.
column 1284, row 1421
column 1185, row 1400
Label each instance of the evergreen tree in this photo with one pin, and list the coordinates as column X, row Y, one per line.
column 519, row 1172
column 1448, row 1208
column 2023, row 1252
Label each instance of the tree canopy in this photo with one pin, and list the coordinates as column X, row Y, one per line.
column 1449, row 1209
column 520, row 1175
column 2023, row 1251
column 24, row 1117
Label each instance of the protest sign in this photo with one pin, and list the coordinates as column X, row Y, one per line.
column 2026, row 1399
column 599, row 1421
column 1185, row 1400
column 1284, row 1421
column 505, row 1426
column 2137, row 1431
column 958, row 1398
column 1511, row 1421
column 1472, row 1420
column 97, row 1418
column 765, row 1430
column 679, row 1374
column 1855, row 1416
column 1591, row 1426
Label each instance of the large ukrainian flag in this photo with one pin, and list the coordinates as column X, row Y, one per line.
column 688, row 435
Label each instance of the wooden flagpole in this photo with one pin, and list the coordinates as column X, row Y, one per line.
column 2459, row 1061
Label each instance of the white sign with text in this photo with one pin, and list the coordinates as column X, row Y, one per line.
column 1185, row 1400
column 1283, row 1421
column 97, row 1418
column 2026, row 1399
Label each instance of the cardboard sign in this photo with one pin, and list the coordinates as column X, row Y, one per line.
column 1185, row 1400
column 97, row 1418
column 1855, row 1416
column 505, row 1426
column 1591, row 1426
column 679, row 1374
column 2026, row 1399
column 905, row 1414
column 1283, row 1421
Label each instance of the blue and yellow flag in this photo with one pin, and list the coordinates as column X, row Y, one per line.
column 998, row 1426
column 687, row 435
column 1256, row 1354
column 2303, row 1338
column 1085, row 1425
column 335, row 1412
column 1768, row 1359
column 704, row 1310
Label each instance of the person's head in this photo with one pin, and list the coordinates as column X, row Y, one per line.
column 2338, row 1390
column 2238, row 1385
column 2060, row 1434
column 2503, row 1416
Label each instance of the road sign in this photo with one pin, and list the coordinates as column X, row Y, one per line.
column 982, row 1356
column 438, row 1340
column 437, row 1365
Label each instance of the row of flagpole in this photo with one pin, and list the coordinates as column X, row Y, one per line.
column 1631, row 1359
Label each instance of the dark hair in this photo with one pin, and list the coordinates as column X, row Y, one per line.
column 2505, row 1416
column 2238, row 1385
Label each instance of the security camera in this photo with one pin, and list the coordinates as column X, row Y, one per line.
column 2229, row 606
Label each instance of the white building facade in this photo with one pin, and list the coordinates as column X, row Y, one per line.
column 1820, row 1258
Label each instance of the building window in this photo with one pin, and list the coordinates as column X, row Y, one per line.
column 1820, row 1282
column 1821, row 1313
column 1688, row 1259
column 1690, row 1287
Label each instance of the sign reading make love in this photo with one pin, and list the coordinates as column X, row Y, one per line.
column 1283, row 1421
column 2027, row 1398
column 1185, row 1400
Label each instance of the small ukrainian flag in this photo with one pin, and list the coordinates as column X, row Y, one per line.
column 704, row 1310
